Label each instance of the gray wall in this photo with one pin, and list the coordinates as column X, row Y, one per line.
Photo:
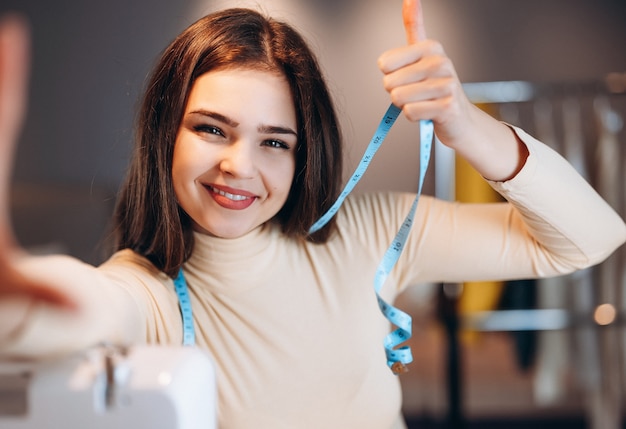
column 90, row 60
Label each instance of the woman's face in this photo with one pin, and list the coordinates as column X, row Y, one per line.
column 234, row 156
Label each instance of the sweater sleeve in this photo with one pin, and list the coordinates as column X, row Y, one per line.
column 562, row 211
column 553, row 223
column 113, row 306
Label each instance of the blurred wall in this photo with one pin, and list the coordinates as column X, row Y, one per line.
column 90, row 60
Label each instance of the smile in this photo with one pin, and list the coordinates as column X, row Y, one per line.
column 228, row 195
column 231, row 200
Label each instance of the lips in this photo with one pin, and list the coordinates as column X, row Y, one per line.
column 230, row 198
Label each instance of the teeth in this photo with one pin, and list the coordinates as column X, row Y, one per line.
column 229, row 195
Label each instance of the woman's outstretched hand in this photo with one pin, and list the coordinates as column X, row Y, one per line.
column 421, row 79
column 14, row 52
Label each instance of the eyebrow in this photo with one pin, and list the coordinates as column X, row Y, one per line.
column 265, row 129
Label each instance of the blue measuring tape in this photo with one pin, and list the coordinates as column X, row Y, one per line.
column 381, row 132
column 397, row 358
column 189, row 333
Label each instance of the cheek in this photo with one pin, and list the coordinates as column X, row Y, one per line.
column 182, row 167
column 277, row 171
column 278, row 185
column 283, row 178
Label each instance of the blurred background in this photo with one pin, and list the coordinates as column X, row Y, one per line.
column 554, row 67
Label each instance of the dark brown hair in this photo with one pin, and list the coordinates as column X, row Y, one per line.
column 147, row 217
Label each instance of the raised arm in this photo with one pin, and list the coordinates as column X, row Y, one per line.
column 48, row 305
column 14, row 43
column 555, row 223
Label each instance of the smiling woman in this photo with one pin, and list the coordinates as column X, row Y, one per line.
column 215, row 44
column 235, row 152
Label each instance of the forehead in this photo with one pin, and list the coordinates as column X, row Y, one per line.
column 244, row 92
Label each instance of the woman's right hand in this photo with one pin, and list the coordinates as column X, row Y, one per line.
column 14, row 61
column 422, row 80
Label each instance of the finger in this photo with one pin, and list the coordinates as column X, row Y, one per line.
column 14, row 48
column 413, row 21
column 14, row 284
column 403, row 56
column 43, row 295
column 436, row 90
column 14, row 51
column 429, row 67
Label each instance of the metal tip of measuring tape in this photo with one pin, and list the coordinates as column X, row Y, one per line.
column 399, row 368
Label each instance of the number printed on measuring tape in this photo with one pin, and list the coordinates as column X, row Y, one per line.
column 182, row 292
column 381, row 132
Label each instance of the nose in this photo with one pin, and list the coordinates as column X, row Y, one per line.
column 238, row 160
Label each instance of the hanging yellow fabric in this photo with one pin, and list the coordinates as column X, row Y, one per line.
column 471, row 187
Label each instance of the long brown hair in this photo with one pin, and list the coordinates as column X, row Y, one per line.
column 147, row 218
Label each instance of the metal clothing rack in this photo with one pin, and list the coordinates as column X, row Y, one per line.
column 603, row 327
column 517, row 91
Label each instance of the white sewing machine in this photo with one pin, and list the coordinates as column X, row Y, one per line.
column 112, row 387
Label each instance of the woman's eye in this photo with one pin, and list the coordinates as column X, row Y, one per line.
column 276, row 144
column 209, row 129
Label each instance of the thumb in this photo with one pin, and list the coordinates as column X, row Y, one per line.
column 14, row 51
column 413, row 21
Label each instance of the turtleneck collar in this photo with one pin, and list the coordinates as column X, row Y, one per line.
column 232, row 264
column 211, row 249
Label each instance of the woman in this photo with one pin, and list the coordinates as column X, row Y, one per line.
column 238, row 152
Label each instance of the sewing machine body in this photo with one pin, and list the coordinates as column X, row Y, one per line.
column 141, row 387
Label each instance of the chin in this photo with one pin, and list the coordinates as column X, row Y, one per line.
column 221, row 232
